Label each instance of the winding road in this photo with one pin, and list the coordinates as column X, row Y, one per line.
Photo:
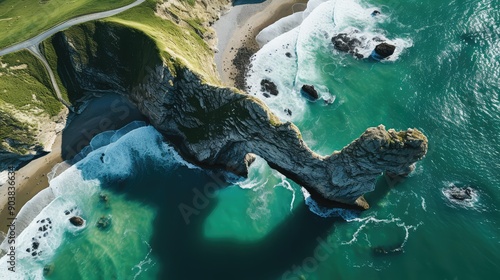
column 33, row 44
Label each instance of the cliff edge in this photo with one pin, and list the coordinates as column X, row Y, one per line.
column 222, row 127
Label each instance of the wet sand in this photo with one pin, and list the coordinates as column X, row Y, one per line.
column 236, row 33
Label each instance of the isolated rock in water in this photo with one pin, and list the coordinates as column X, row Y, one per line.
column 342, row 42
column 76, row 221
column 460, row 193
column 375, row 13
column 269, row 86
column 384, row 50
column 310, row 91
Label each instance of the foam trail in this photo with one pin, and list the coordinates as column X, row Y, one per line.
column 146, row 261
column 285, row 184
column 348, row 215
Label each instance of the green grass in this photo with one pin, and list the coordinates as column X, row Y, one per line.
column 51, row 57
column 19, row 134
column 23, row 19
column 182, row 45
column 29, row 87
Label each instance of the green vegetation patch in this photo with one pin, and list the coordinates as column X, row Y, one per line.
column 25, row 84
column 24, row 19
column 15, row 135
column 178, row 45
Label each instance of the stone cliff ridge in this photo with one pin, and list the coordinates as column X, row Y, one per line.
column 221, row 127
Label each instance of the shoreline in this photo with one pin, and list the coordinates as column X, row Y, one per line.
column 32, row 177
column 241, row 24
column 236, row 32
column 30, row 180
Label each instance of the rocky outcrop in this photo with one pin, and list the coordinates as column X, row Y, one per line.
column 354, row 42
column 342, row 42
column 221, row 127
column 460, row 194
column 310, row 92
column 384, row 50
column 76, row 221
column 269, row 87
column 217, row 127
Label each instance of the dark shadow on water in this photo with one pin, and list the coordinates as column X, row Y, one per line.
column 382, row 187
column 184, row 253
column 108, row 112
column 244, row 2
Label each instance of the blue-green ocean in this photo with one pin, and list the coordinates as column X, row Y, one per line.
column 171, row 220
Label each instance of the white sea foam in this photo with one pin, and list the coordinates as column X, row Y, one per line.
column 285, row 184
column 348, row 215
column 147, row 261
column 281, row 26
column 297, row 56
column 472, row 203
column 111, row 158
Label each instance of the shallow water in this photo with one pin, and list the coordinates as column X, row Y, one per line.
column 173, row 221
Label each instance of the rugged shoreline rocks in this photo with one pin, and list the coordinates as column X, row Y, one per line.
column 219, row 127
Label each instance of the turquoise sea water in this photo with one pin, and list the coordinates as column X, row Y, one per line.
column 173, row 221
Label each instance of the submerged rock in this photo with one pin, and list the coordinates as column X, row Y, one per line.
column 76, row 221
column 310, row 92
column 103, row 197
column 384, row 50
column 104, row 222
column 269, row 86
column 386, row 251
column 48, row 269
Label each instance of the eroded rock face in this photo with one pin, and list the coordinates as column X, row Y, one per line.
column 218, row 128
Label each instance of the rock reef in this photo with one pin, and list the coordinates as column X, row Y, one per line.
column 222, row 127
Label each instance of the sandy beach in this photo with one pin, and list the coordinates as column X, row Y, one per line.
column 236, row 33
column 108, row 112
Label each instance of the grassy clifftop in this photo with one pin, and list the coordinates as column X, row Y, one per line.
column 179, row 31
column 26, row 100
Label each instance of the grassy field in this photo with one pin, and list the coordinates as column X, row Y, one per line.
column 23, row 19
column 177, row 44
column 25, row 84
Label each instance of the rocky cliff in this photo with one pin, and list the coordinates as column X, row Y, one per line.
column 223, row 128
